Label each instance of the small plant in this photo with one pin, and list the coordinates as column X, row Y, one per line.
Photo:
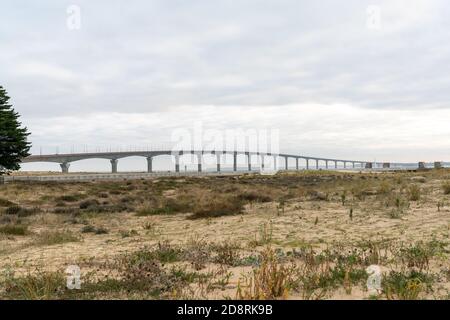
column 40, row 286
column 316, row 221
column 351, row 214
column 271, row 280
column 128, row 233
column 446, row 188
column 265, row 232
column 227, row 254
column 280, row 207
column 343, row 198
column 414, row 192
column 405, row 286
column 92, row 229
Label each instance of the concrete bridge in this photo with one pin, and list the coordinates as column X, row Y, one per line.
column 64, row 160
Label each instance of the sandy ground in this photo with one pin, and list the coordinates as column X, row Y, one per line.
column 302, row 222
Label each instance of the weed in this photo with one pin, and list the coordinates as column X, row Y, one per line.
column 270, row 280
column 414, row 192
column 405, row 286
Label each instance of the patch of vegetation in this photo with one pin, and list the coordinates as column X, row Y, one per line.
column 6, row 203
column 40, row 286
column 212, row 206
column 71, row 197
column 446, row 188
column 406, row 285
column 95, row 230
column 14, row 229
column 48, row 238
column 22, row 211
column 414, row 192
column 271, row 280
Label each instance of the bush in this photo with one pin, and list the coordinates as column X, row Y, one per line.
column 270, row 280
column 446, row 188
column 211, row 206
column 253, row 196
column 71, row 197
column 21, row 211
column 86, row 204
column 405, row 286
column 92, row 229
column 16, row 230
column 41, row 286
column 414, row 193
column 48, row 238
column 6, row 203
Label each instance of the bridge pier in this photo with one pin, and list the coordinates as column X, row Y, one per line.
column 335, row 164
column 307, row 164
column 199, row 162
column 149, row 164
column 353, row 164
column 65, row 167
column 345, row 165
column 296, row 164
column 275, row 166
column 262, row 162
column 218, row 161
column 177, row 163
column 235, row 161
column 114, row 165
column 286, row 160
column 249, row 162
column 317, row 164
column 326, row 164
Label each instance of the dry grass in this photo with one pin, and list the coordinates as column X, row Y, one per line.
column 305, row 235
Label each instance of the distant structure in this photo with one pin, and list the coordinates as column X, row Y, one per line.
column 65, row 160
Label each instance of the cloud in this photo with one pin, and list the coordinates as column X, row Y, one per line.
column 172, row 58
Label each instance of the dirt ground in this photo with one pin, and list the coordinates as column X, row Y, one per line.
column 295, row 235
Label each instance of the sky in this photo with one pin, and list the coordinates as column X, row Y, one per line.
column 366, row 80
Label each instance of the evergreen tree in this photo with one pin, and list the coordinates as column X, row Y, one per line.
column 13, row 137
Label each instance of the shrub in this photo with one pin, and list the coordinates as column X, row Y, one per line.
column 71, row 197
column 92, row 229
column 414, row 192
column 6, row 203
column 90, row 203
column 446, row 188
column 16, row 230
column 253, row 196
column 48, row 238
column 270, row 280
column 227, row 253
column 22, row 211
column 405, row 286
column 216, row 206
column 41, row 286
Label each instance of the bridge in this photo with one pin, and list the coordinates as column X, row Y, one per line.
column 65, row 160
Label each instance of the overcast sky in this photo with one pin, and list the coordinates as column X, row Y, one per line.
column 335, row 78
